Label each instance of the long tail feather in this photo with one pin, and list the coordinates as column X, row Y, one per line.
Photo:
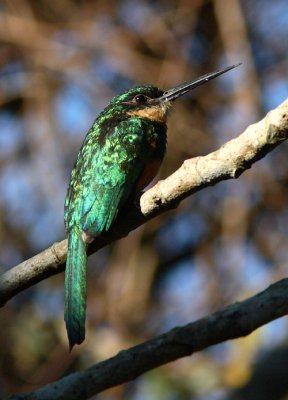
column 75, row 288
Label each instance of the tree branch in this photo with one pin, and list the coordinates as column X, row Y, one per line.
column 234, row 321
column 228, row 162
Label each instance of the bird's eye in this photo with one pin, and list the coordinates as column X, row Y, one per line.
column 139, row 98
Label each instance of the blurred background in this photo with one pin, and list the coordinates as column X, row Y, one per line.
column 61, row 62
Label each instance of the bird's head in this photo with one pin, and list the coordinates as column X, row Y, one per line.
column 153, row 103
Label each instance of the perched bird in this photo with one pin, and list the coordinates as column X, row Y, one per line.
column 119, row 157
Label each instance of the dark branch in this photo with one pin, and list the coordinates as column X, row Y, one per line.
column 235, row 321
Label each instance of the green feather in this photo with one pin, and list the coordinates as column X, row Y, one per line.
column 75, row 288
column 111, row 160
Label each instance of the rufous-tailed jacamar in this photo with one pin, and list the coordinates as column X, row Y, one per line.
column 120, row 155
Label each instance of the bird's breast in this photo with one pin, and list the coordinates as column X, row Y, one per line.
column 156, row 140
column 148, row 174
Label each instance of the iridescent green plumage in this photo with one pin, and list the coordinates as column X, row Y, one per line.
column 108, row 167
column 119, row 156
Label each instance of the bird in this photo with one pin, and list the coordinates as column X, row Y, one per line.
column 120, row 155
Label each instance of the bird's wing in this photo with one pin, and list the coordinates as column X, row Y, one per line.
column 107, row 177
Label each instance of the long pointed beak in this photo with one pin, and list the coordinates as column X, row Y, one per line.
column 178, row 91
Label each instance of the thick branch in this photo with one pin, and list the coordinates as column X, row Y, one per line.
column 228, row 162
column 235, row 321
